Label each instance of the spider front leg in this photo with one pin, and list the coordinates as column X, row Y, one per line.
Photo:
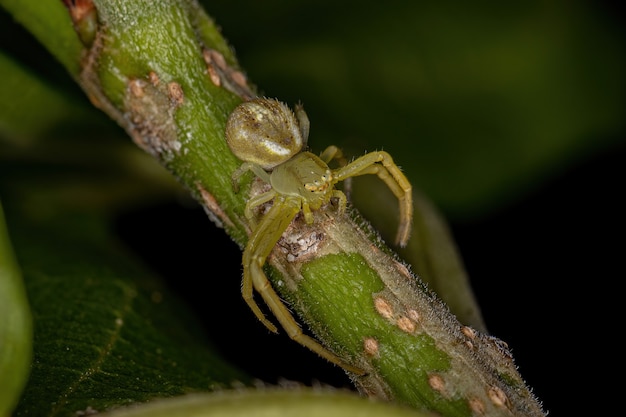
column 261, row 242
column 333, row 152
column 260, row 245
column 381, row 164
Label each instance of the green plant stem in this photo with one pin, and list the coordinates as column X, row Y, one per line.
column 156, row 69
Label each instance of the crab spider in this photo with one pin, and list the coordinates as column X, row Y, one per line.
column 270, row 138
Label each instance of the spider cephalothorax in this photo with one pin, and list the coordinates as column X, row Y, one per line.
column 270, row 138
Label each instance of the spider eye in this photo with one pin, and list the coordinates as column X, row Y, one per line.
column 264, row 132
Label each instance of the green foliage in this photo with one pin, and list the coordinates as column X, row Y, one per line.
column 106, row 331
column 15, row 326
column 271, row 403
column 477, row 102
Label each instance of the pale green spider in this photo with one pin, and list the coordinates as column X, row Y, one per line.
column 269, row 138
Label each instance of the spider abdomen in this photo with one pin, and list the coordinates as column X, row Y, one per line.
column 264, row 132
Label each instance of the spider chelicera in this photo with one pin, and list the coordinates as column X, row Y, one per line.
column 270, row 138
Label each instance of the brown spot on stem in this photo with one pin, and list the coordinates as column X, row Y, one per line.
column 79, row 9
column 239, row 78
column 497, row 397
column 383, row 307
column 154, row 79
column 413, row 315
column 437, row 383
column 406, row 324
column 469, row 332
column 402, row 269
column 85, row 19
column 214, row 58
column 136, row 88
column 223, row 75
column 176, row 93
column 214, row 76
column 501, row 347
column 370, row 346
column 477, row 406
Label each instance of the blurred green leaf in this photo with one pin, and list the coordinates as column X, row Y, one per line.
column 31, row 109
column 303, row 402
column 106, row 331
column 15, row 326
column 45, row 18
